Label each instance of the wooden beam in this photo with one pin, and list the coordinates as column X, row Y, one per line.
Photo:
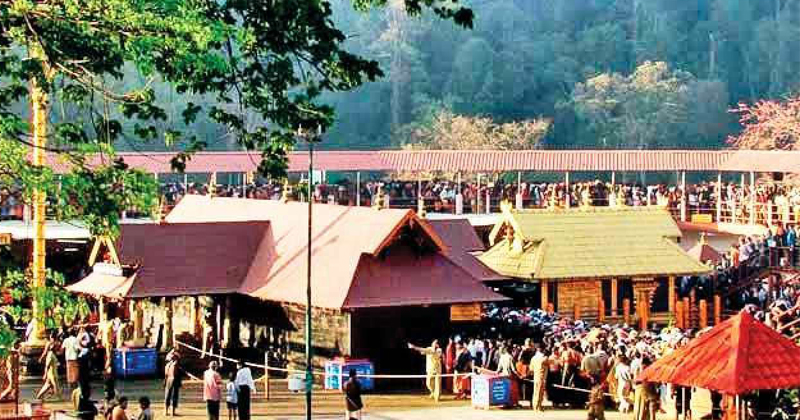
column 614, row 295
column 545, row 292
column 671, row 295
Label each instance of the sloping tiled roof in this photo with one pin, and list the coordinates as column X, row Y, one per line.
column 704, row 252
column 457, row 233
column 597, row 242
column 404, row 279
column 736, row 357
column 342, row 235
column 462, row 241
column 192, row 258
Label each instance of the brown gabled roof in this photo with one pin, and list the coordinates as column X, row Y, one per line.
column 462, row 241
column 403, row 279
column 457, row 234
column 183, row 259
column 342, row 236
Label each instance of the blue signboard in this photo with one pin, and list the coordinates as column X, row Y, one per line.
column 500, row 391
column 490, row 391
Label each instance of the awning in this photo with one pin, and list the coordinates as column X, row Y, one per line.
column 106, row 283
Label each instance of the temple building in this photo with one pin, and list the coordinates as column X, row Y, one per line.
column 588, row 262
column 379, row 279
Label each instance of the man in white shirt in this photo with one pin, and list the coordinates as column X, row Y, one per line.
column 71, row 349
column 244, row 386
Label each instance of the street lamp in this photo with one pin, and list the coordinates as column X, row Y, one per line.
column 310, row 139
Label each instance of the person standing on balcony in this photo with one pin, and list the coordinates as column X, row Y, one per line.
column 791, row 243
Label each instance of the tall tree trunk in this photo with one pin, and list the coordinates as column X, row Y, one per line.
column 397, row 73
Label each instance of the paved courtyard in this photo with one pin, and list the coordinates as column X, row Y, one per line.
column 328, row 405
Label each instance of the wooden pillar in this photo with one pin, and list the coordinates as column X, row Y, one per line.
column 692, row 305
column 643, row 308
column 703, row 313
column 230, row 325
column 518, row 196
column 194, row 317
column 601, row 310
column 687, row 309
column 137, row 318
column 683, row 196
column 679, row 315
column 719, row 197
column 544, row 285
column 576, row 311
column 102, row 310
column 717, row 309
column 626, row 311
column 614, row 293
column 671, row 295
column 168, row 322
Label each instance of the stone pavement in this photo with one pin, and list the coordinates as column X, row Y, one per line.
column 285, row 405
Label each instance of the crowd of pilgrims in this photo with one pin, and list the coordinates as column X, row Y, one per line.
column 773, row 201
column 570, row 363
column 783, row 201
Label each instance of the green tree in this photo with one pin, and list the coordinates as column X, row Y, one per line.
column 641, row 110
column 103, row 72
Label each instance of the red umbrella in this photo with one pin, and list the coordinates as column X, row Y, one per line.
column 737, row 356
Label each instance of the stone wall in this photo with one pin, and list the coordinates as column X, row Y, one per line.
column 585, row 293
column 330, row 330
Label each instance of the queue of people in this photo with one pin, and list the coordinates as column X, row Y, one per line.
column 575, row 364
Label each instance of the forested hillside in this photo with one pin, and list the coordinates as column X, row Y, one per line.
column 609, row 73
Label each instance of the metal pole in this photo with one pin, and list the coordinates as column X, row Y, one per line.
column 752, row 198
column 719, row 197
column 478, row 196
column 309, row 377
column 358, row 189
column 420, row 200
column 244, row 184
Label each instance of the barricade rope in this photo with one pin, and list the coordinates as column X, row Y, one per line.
column 315, row 373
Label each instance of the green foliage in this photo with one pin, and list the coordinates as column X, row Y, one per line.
column 57, row 306
column 736, row 50
column 158, row 72
column 653, row 107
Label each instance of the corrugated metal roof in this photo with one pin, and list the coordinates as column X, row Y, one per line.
column 762, row 161
column 597, row 242
column 555, row 160
column 481, row 161
column 736, row 357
